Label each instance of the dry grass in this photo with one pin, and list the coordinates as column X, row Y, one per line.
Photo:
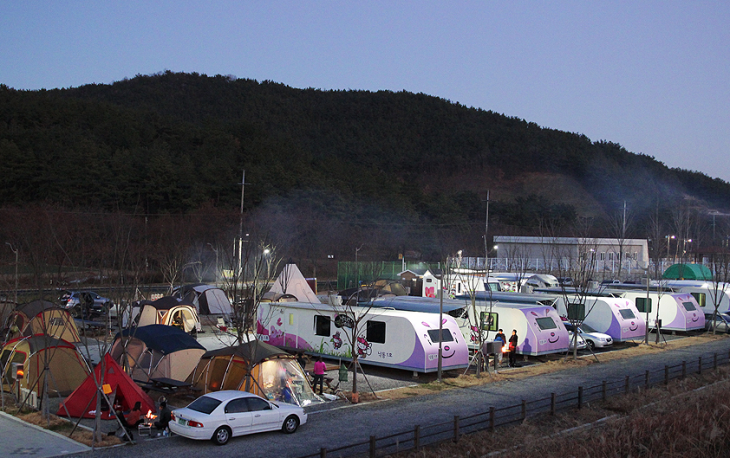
column 558, row 364
column 64, row 427
column 688, row 418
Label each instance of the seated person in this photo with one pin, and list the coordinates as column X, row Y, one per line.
column 163, row 418
column 130, row 420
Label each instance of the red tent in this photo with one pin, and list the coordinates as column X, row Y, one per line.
column 122, row 392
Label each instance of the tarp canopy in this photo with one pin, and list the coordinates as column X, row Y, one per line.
column 687, row 272
column 208, row 299
column 256, row 367
column 66, row 368
column 42, row 317
column 121, row 391
column 156, row 351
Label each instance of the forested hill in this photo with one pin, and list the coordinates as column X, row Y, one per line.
column 172, row 142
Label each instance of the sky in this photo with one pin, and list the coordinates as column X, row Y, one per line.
column 652, row 76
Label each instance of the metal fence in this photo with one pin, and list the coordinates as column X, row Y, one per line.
column 453, row 429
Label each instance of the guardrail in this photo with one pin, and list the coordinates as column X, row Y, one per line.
column 453, row 429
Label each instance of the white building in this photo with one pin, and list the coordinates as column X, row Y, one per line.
column 548, row 253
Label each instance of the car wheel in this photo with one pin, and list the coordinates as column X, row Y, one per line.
column 591, row 346
column 221, row 435
column 76, row 311
column 290, row 424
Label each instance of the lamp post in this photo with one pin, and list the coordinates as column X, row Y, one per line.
column 16, row 269
column 669, row 238
column 267, row 254
column 215, row 270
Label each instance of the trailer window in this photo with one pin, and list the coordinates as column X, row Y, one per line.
column 446, row 336
column 489, row 321
column 627, row 314
column 701, row 298
column 643, row 304
column 546, row 323
column 688, row 306
column 458, row 313
column 322, row 325
column 375, row 332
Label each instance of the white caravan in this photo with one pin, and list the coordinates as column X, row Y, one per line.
column 617, row 317
column 540, row 330
column 675, row 311
column 386, row 337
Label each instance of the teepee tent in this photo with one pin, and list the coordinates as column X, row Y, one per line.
column 291, row 282
column 256, row 367
column 121, row 391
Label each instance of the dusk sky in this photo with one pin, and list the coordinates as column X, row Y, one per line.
column 653, row 76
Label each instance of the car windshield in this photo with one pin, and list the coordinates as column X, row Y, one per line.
column 204, row 405
column 587, row 328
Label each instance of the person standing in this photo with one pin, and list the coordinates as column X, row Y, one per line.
column 300, row 359
column 319, row 369
column 513, row 349
column 502, row 339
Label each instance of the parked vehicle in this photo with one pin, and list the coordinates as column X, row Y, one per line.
column 593, row 338
column 581, row 342
column 220, row 415
column 721, row 323
column 675, row 311
column 85, row 303
column 391, row 338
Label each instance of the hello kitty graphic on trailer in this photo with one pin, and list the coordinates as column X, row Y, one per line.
column 364, row 348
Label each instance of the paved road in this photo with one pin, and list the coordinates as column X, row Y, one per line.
column 345, row 425
column 21, row 439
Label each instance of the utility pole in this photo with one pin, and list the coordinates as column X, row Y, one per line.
column 239, row 266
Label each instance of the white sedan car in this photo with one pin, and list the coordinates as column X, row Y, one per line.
column 593, row 338
column 220, row 415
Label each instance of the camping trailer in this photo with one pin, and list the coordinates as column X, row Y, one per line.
column 390, row 338
column 539, row 328
column 675, row 311
column 617, row 317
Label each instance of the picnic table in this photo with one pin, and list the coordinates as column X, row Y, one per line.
column 164, row 385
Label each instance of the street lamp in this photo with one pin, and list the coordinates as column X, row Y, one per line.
column 16, row 269
column 267, row 253
column 669, row 238
column 215, row 271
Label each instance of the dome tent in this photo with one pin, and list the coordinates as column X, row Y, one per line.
column 156, row 351
column 687, row 272
column 256, row 367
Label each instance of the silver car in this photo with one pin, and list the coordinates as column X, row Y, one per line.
column 720, row 324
